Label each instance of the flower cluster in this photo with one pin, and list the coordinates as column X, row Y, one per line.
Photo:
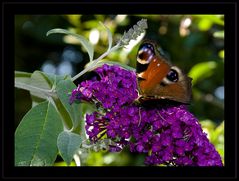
column 167, row 133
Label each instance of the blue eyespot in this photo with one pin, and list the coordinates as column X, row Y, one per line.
column 147, row 47
column 145, row 53
column 172, row 75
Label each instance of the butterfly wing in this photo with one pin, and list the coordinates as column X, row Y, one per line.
column 158, row 79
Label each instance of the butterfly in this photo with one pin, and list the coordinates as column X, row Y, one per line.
column 158, row 79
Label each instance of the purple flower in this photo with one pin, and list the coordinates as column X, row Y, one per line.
column 167, row 133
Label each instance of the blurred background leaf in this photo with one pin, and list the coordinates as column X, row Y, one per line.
column 195, row 43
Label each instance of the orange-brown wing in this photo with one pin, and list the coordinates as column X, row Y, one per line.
column 156, row 71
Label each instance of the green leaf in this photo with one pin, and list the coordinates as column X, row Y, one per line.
column 41, row 87
column 56, row 78
column 110, row 39
column 22, row 79
column 89, row 48
column 38, row 83
column 201, row 71
column 217, row 19
column 68, row 143
column 19, row 74
column 47, row 84
column 205, row 24
column 44, row 85
column 71, row 112
column 36, row 136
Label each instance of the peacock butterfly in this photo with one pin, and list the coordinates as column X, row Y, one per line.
column 158, row 79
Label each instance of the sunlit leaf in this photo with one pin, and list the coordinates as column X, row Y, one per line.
column 89, row 48
column 217, row 19
column 95, row 159
column 219, row 34
column 219, row 139
column 201, row 71
column 221, row 54
column 208, row 124
column 90, row 24
column 204, row 24
column 74, row 19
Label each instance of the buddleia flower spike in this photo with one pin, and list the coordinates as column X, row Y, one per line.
column 134, row 32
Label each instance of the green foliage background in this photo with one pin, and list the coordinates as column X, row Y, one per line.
column 195, row 43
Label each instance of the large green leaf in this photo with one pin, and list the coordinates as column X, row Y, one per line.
column 68, row 143
column 36, row 136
